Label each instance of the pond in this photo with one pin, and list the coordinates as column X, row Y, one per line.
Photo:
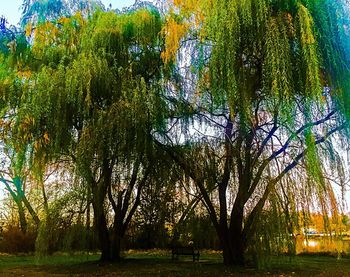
column 323, row 244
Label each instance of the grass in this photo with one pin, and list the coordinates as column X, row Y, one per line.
column 159, row 263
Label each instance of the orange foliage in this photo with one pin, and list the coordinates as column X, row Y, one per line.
column 45, row 35
column 25, row 74
column 28, row 30
column 173, row 33
column 189, row 14
column 63, row 20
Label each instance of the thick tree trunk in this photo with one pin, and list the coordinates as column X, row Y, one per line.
column 102, row 232
column 119, row 228
column 232, row 237
column 116, row 247
column 233, row 247
column 99, row 192
column 100, row 223
column 88, row 218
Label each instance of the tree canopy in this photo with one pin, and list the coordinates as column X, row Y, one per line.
column 248, row 99
column 272, row 85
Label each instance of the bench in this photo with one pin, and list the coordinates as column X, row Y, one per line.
column 185, row 251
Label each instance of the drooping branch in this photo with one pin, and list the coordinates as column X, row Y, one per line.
column 189, row 171
column 131, row 185
column 266, row 140
column 137, row 199
column 251, row 221
column 283, row 148
column 300, row 130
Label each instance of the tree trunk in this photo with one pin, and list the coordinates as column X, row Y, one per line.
column 99, row 192
column 98, row 197
column 88, row 217
column 116, row 247
column 102, row 232
column 31, row 210
column 233, row 247
column 232, row 237
column 22, row 217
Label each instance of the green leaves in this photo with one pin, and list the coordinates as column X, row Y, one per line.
column 309, row 56
column 277, row 71
column 92, row 92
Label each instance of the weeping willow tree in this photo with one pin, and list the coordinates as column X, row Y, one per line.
column 91, row 93
column 267, row 87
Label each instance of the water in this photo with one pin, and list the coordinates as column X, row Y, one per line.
column 323, row 244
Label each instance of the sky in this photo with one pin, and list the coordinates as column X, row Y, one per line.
column 11, row 8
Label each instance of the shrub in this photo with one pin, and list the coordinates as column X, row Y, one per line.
column 14, row 241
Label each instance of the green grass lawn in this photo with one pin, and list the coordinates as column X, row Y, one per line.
column 159, row 263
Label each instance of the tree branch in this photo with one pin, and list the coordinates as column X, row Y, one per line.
column 251, row 221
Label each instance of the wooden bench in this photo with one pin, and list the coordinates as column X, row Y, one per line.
column 185, row 251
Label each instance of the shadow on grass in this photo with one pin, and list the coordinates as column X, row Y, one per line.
column 152, row 263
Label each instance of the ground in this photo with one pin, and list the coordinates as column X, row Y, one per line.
column 159, row 263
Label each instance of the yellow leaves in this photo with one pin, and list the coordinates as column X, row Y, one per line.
column 173, row 33
column 42, row 141
column 28, row 30
column 7, row 81
column 63, row 20
column 65, row 32
column 190, row 7
column 289, row 25
column 28, row 121
column 274, row 85
column 308, row 39
column 25, row 74
column 27, row 137
column 186, row 5
column 306, row 26
column 23, row 131
column 144, row 16
column 79, row 19
column 46, row 138
column 178, row 3
column 189, row 14
column 45, row 35
column 36, row 145
column 193, row 10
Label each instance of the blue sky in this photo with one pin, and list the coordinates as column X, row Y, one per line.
column 11, row 8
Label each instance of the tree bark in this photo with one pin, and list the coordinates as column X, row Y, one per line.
column 31, row 210
column 99, row 192
column 117, row 238
column 102, row 230
column 233, row 251
column 22, row 217
column 232, row 238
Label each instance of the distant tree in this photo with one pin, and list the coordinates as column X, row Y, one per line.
column 39, row 11
column 14, row 167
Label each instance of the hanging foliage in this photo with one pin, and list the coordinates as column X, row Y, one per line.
column 272, row 88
